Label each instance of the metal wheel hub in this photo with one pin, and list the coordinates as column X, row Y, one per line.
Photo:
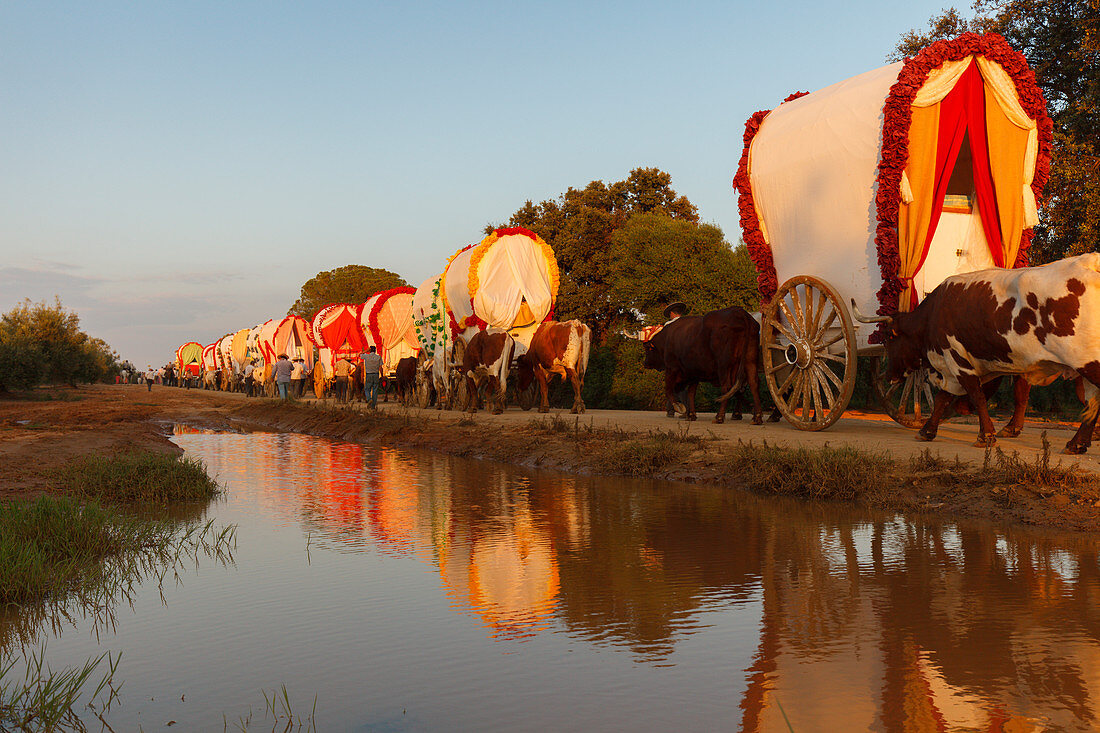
column 799, row 354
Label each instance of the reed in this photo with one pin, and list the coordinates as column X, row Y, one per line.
column 47, row 700
column 143, row 477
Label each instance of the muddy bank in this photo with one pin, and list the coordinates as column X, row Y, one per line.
column 1004, row 488
column 873, row 464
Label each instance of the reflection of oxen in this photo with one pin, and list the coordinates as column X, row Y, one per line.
column 486, row 361
column 556, row 348
column 981, row 325
column 721, row 347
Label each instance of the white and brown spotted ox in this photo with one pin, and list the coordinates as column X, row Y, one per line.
column 556, row 348
column 1039, row 323
column 487, row 359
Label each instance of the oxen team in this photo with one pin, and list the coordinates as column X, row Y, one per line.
column 1032, row 324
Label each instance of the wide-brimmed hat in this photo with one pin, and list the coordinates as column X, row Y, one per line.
column 676, row 306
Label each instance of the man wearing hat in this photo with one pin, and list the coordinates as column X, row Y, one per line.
column 673, row 311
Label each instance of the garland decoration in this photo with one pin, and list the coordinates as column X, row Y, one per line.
column 897, row 118
column 547, row 252
column 759, row 250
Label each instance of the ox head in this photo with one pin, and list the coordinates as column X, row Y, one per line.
column 654, row 355
column 904, row 347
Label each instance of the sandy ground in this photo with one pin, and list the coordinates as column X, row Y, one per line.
column 37, row 435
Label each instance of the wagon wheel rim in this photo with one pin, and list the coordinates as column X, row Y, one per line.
column 809, row 352
column 908, row 402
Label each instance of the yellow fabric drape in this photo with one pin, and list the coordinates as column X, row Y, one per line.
column 1007, row 147
column 915, row 216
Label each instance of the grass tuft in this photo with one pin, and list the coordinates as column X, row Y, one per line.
column 137, row 477
column 644, row 456
column 821, row 473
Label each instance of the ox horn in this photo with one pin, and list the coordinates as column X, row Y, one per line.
column 869, row 319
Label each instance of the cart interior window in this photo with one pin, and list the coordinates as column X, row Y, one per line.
column 961, row 186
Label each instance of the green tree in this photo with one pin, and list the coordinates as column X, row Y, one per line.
column 347, row 284
column 1061, row 41
column 581, row 225
column 41, row 343
column 707, row 273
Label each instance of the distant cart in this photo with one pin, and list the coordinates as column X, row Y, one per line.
column 872, row 192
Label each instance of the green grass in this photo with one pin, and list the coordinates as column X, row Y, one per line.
column 824, row 473
column 45, row 700
column 137, row 478
column 48, row 544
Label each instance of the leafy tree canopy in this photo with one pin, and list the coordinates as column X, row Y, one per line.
column 41, row 343
column 347, row 284
column 708, row 274
column 1061, row 41
column 595, row 269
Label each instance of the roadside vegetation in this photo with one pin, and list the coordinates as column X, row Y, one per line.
column 80, row 553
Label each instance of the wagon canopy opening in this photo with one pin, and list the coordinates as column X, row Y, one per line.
column 294, row 338
column 889, row 182
column 189, row 358
column 387, row 322
column 336, row 327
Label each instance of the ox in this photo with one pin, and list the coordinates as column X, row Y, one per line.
column 721, row 347
column 982, row 325
column 406, row 379
column 486, row 361
column 556, row 348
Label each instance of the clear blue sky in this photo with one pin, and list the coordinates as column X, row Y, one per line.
column 176, row 171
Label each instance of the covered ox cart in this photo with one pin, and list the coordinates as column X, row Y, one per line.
column 387, row 322
column 189, row 360
column 506, row 282
column 873, row 191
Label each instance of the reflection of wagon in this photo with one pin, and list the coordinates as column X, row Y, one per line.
column 872, row 192
column 506, row 282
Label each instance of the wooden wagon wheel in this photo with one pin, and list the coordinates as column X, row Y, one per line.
column 908, row 402
column 809, row 352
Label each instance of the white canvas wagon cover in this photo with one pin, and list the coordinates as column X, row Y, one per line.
column 508, row 280
column 852, row 183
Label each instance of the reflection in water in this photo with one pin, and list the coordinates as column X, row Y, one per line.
column 441, row 592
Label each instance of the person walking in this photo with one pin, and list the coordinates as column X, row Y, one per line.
column 296, row 377
column 248, row 369
column 150, row 375
column 342, row 372
column 372, row 370
column 282, row 371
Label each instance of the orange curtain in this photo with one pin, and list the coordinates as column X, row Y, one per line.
column 1007, row 150
column 915, row 216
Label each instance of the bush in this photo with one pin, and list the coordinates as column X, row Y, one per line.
column 40, row 343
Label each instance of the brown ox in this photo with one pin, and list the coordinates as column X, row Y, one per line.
column 406, row 379
column 721, row 347
column 556, row 348
column 486, row 361
column 1027, row 322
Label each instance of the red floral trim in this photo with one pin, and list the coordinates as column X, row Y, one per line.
column 897, row 118
column 759, row 250
column 507, row 231
column 372, row 317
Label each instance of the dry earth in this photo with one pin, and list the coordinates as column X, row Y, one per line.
column 37, row 435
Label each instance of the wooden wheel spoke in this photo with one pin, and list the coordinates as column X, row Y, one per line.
column 826, row 344
column 825, row 376
column 806, row 400
column 775, row 368
column 791, row 322
column 839, row 382
column 815, row 378
column 787, row 381
column 842, row 360
column 786, row 334
column 828, row 321
column 799, row 316
column 822, row 301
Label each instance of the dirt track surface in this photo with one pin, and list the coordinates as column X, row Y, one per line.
column 38, row 435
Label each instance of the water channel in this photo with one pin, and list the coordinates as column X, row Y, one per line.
column 417, row 591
